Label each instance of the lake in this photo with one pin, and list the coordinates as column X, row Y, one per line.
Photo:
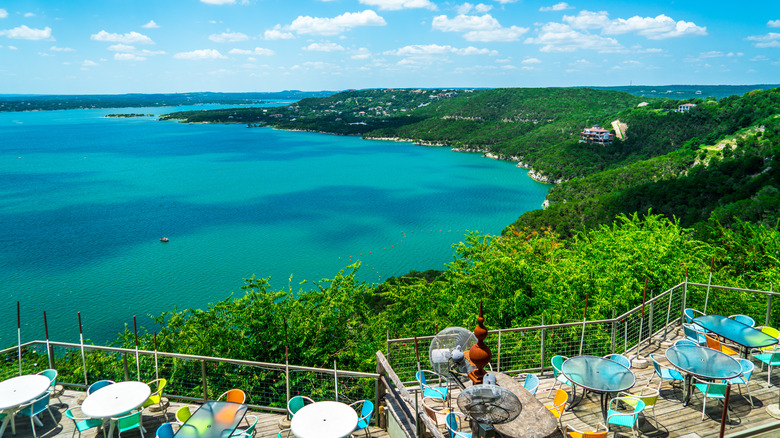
column 86, row 199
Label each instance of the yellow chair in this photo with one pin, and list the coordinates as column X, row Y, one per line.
column 647, row 394
column 773, row 332
column 598, row 433
column 559, row 404
column 717, row 345
column 156, row 398
column 183, row 414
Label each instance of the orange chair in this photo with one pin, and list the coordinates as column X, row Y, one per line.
column 559, row 404
column 233, row 395
column 717, row 345
column 598, row 433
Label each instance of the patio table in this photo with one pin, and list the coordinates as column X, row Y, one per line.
column 325, row 419
column 215, row 419
column 702, row 362
column 17, row 391
column 736, row 332
column 115, row 400
column 599, row 375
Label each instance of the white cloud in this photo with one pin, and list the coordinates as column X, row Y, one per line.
column 61, row 49
column 228, row 37
column 531, row 61
column 200, row 54
column 506, row 2
column 588, row 20
column 336, row 25
column 151, row 25
column 128, row 57
column 395, row 5
column 323, row 47
column 558, row 37
column 25, row 33
column 482, row 28
column 128, row 38
column 277, row 34
column 480, row 8
column 562, row 6
column 504, row 34
column 28, row 15
column 239, row 52
column 771, row 39
column 121, row 48
column 660, row 27
column 3, row 13
column 773, row 23
column 361, row 53
column 218, row 2
column 435, row 49
column 88, row 63
column 258, row 51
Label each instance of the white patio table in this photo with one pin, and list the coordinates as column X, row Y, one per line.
column 325, row 419
column 114, row 400
column 17, row 391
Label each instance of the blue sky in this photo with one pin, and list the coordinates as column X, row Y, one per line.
column 148, row 46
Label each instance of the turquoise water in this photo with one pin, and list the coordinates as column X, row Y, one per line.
column 85, row 200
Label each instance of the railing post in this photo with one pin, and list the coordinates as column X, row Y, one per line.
column 498, row 366
column 541, row 352
column 625, row 336
column 336, row 379
column 51, row 356
column 668, row 312
column 684, row 299
column 124, row 366
column 650, row 325
column 769, row 306
column 287, row 376
column 614, row 333
column 203, row 380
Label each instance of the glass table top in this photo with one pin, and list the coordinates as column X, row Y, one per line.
column 213, row 420
column 735, row 331
column 703, row 362
column 598, row 374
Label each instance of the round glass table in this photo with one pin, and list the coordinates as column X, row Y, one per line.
column 599, row 375
column 702, row 362
column 17, row 391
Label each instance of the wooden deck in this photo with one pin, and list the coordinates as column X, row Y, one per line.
column 673, row 419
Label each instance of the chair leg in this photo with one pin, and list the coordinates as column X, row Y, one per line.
column 32, row 424
column 750, row 397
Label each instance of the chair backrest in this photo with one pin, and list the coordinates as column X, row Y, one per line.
column 36, row 406
column 531, row 383
column 640, row 406
column 99, row 384
column 556, row 362
column 366, row 411
column 51, row 374
column 165, row 431
column 420, row 376
column 560, row 399
column 572, row 432
column 183, row 414
column 296, row 403
column 160, row 385
column 713, row 343
column 130, row 421
column 656, row 365
column 771, row 331
column 251, row 429
column 747, row 368
column 690, row 332
column 619, row 358
column 690, row 314
column 234, row 395
column 648, row 395
column 451, row 420
column 744, row 319
column 437, row 415
column 684, row 342
column 285, row 433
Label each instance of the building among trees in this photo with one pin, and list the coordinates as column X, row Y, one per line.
column 596, row 134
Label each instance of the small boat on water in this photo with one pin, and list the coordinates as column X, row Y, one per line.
column 163, row 239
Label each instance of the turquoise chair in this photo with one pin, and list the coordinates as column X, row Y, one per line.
column 744, row 319
column 366, row 410
column 99, row 384
column 435, row 392
column 54, row 389
column 129, row 422
column 771, row 359
column 249, row 431
column 296, row 403
column 690, row 314
column 619, row 358
column 81, row 422
column 744, row 378
column 165, row 431
column 285, row 433
column 625, row 419
column 679, row 342
column 695, row 333
column 710, row 390
column 664, row 373
column 557, row 362
column 453, row 421
column 34, row 408
column 531, row 383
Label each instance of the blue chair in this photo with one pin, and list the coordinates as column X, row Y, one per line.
column 625, row 419
column 296, row 403
column 34, row 408
column 710, row 390
column 81, row 422
column 453, row 421
column 285, row 433
column 772, row 359
column 54, row 389
column 436, row 392
column 685, row 342
column 744, row 319
column 695, row 333
column 556, row 362
column 165, row 431
column 664, row 373
column 619, row 358
column 99, row 384
column 531, row 383
column 129, row 422
column 744, row 378
column 690, row 314
column 366, row 410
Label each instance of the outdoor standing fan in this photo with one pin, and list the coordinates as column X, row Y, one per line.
column 448, row 352
column 487, row 405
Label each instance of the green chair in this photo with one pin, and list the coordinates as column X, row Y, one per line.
column 129, row 422
column 249, row 431
column 183, row 414
column 156, row 397
column 285, row 433
column 296, row 403
column 55, row 390
column 81, row 422
column 646, row 394
column 625, row 419
column 557, row 362
column 710, row 390
column 34, row 408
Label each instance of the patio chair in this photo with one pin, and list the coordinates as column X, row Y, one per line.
column 183, row 414
column 772, row 359
column 744, row 319
column 99, row 384
column 646, row 394
column 436, row 392
column 130, row 421
column 156, row 397
column 664, row 373
column 80, row 422
column 710, row 390
column 619, row 358
column 679, row 342
column 556, row 362
column 771, row 331
column 571, row 432
column 625, row 419
column 691, row 313
column 531, row 383
column 165, row 431
column 435, row 412
column 233, row 395
column 453, row 421
column 364, row 417
column 559, row 405
column 34, row 408
column 55, row 390
column 249, row 431
column 695, row 333
column 720, row 346
column 285, row 433
column 744, row 378
column 297, row 402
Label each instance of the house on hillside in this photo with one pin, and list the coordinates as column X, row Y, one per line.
column 596, row 134
column 684, row 108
